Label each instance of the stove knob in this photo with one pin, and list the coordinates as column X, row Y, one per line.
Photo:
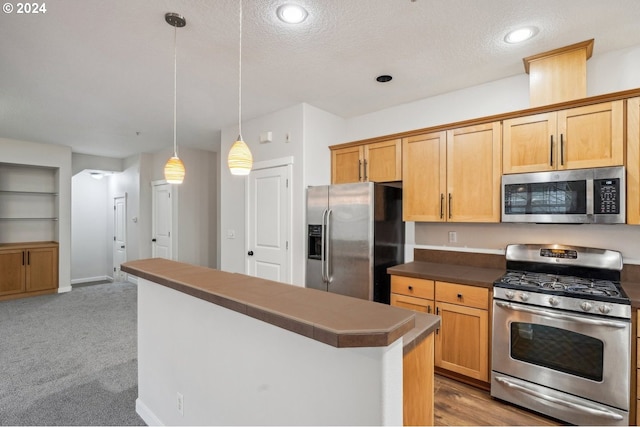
column 604, row 309
column 524, row 297
column 509, row 294
column 553, row 301
column 586, row 306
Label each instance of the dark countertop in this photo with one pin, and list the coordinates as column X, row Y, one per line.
column 455, row 273
column 484, row 277
column 333, row 319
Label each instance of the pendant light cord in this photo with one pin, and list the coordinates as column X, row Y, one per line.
column 240, row 78
column 175, row 88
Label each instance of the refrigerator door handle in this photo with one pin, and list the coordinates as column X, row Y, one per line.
column 323, row 243
column 327, row 263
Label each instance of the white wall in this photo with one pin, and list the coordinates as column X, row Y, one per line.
column 232, row 369
column 53, row 156
column 310, row 131
column 89, row 229
column 233, row 188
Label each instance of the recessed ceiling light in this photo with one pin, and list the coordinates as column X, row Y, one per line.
column 384, row 78
column 291, row 13
column 520, row 35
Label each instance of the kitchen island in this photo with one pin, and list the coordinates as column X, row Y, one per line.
column 221, row 348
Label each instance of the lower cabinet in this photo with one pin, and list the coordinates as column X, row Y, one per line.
column 28, row 269
column 462, row 342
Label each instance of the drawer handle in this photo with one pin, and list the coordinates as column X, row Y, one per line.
column 459, row 296
column 410, row 288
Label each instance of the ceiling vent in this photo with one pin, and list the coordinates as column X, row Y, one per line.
column 558, row 75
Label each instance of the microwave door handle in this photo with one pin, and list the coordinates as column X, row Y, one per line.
column 579, row 407
column 559, row 316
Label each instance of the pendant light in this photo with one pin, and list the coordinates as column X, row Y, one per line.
column 240, row 160
column 174, row 168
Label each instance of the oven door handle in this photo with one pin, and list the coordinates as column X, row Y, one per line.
column 560, row 316
column 600, row 412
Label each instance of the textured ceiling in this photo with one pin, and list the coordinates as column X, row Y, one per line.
column 98, row 75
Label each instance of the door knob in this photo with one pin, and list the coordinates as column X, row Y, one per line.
column 250, row 253
column 153, row 240
column 121, row 247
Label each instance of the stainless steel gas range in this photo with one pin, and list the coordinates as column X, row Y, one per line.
column 562, row 334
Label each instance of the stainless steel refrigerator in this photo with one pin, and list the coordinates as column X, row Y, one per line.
column 354, row 233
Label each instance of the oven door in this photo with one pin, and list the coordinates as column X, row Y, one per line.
column 586, row 356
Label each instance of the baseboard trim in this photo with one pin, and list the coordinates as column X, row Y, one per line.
column 132, row 279
column 63, row 289
column 146, row 414
column 89, row 279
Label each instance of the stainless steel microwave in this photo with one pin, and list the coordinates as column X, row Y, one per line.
column 580, row 196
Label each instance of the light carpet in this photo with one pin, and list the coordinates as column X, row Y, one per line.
column 70, row 359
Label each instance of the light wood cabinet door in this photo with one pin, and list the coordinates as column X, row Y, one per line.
column 424, row 177
column 346, row 165
column 633, row 161
column 12, row 266
column 576, row 138
column 591, row 136
column 42, row 269
column 383, row 161
column 528, row 143
column 462, row 344
column 473, row 173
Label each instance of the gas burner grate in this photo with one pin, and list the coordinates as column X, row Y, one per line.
column 565, row 284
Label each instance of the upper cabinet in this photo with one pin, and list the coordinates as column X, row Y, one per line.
column 633, row 161
column 453, row 176
column 581, row 137
column 375, row 162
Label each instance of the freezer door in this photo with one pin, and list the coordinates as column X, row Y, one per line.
column 317, row 207
column 350, row 245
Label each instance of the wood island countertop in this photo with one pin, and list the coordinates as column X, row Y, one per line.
column 332, row 319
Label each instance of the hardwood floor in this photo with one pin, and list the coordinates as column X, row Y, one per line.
column 458, row 404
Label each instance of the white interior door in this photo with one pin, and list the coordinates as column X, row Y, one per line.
column 268, row 206
column 162, row 214
column 119, row 237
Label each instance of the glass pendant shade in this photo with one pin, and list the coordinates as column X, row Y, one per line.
column 240, row 160
column 174, row 171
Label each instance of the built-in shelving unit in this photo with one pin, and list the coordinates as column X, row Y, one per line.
column 28, row 203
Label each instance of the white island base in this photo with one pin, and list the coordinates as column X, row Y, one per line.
column 203, row 364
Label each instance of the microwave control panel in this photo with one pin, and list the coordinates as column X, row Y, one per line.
column 606, row 196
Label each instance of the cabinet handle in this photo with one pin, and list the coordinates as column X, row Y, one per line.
column 441, row 205
column 359, row 170
column 459, row 296
column 438, row 311
column 365, row 171
column 551, row 154
column 22, row 257
column 410, row 288
column 450, row 197
column 28, row 257
column 428, row 309
column 561, row 150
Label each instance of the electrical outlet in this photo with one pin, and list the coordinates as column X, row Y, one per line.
column 453, row 237
column 180, row 403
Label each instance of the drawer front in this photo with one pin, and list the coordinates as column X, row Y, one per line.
column 413, row 287
column 412, row 303
column 470, row 296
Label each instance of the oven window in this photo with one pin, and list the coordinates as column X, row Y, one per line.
column 558, row 349
column 564, row 197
